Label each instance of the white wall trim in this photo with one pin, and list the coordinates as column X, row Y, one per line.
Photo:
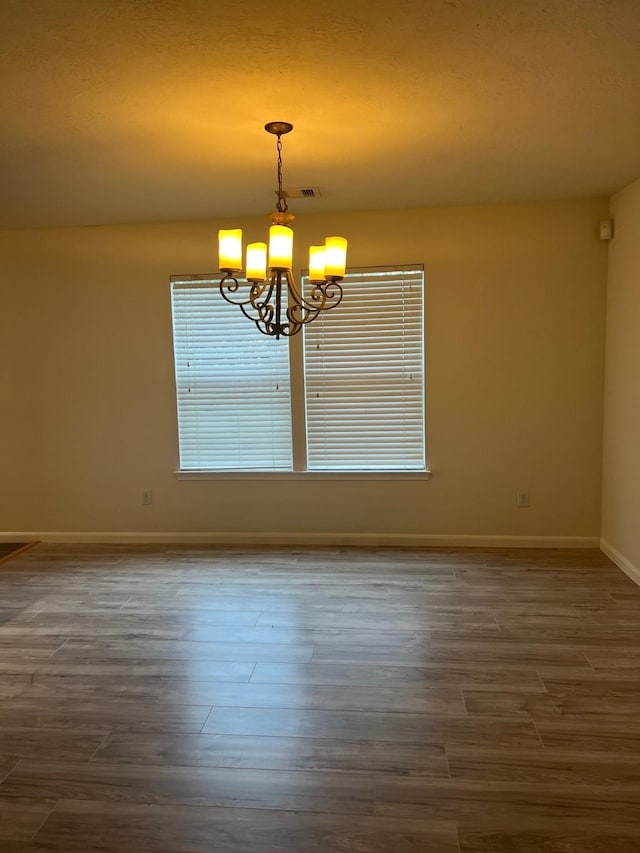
column 416, row 540
column 621, row 561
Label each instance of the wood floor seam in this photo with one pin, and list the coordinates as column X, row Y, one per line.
column 211, row 710
column 5, row 774
column 105, row 740
column 62, row 644
column 533, row 722
column 46, row 818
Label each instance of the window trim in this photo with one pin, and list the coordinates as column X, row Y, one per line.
column 298, row 410
column 424, row 474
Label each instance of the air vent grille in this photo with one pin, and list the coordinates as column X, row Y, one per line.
column 302, row 192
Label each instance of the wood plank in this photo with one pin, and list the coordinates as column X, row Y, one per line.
column 617, row 735
column 546, row 766
column 118, row 670
column 182, row 650
column 494, row 805
column 276, row 753
column 290, row 790
column 102, row 715
column 512, row 676
column 399, row 728
column 577, row 841
column 584, row 707
column 81, row 826
column 49, row 744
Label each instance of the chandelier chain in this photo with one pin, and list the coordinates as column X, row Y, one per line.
column 282, row 201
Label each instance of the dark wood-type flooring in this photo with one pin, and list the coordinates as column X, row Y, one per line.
column 191, row 700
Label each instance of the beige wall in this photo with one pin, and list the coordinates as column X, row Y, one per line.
column 515, row 337
column 621, row 468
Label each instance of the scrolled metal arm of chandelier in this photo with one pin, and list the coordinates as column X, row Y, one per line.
column 274, row 301
column 276, row 314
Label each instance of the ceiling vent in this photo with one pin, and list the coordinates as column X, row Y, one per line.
column 302, row 192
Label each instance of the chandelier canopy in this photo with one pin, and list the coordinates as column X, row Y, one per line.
column 275, row 302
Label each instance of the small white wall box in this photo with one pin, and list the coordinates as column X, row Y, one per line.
column 606, row 229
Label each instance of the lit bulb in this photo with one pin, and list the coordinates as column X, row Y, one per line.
column 280, row 247
column 335, row 257
column 230, row 250
column 256, row 266
column 316, row 263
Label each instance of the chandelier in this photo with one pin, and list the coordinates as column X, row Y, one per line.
column 275, row 302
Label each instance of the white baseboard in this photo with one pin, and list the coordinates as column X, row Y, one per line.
column 416, row 540
column 621, row 561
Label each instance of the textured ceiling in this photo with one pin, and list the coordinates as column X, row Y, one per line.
column 148, row 110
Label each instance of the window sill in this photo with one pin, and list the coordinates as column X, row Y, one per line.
column 303, row 475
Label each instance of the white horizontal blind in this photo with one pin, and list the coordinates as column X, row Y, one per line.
column 232, row 385
column 364, row 374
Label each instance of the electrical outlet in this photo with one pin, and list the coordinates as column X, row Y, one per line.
column 147, row 498
column 522, row 499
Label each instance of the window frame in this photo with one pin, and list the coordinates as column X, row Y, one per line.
column 299, row 471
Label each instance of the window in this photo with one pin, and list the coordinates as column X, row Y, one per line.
column 348, row 392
